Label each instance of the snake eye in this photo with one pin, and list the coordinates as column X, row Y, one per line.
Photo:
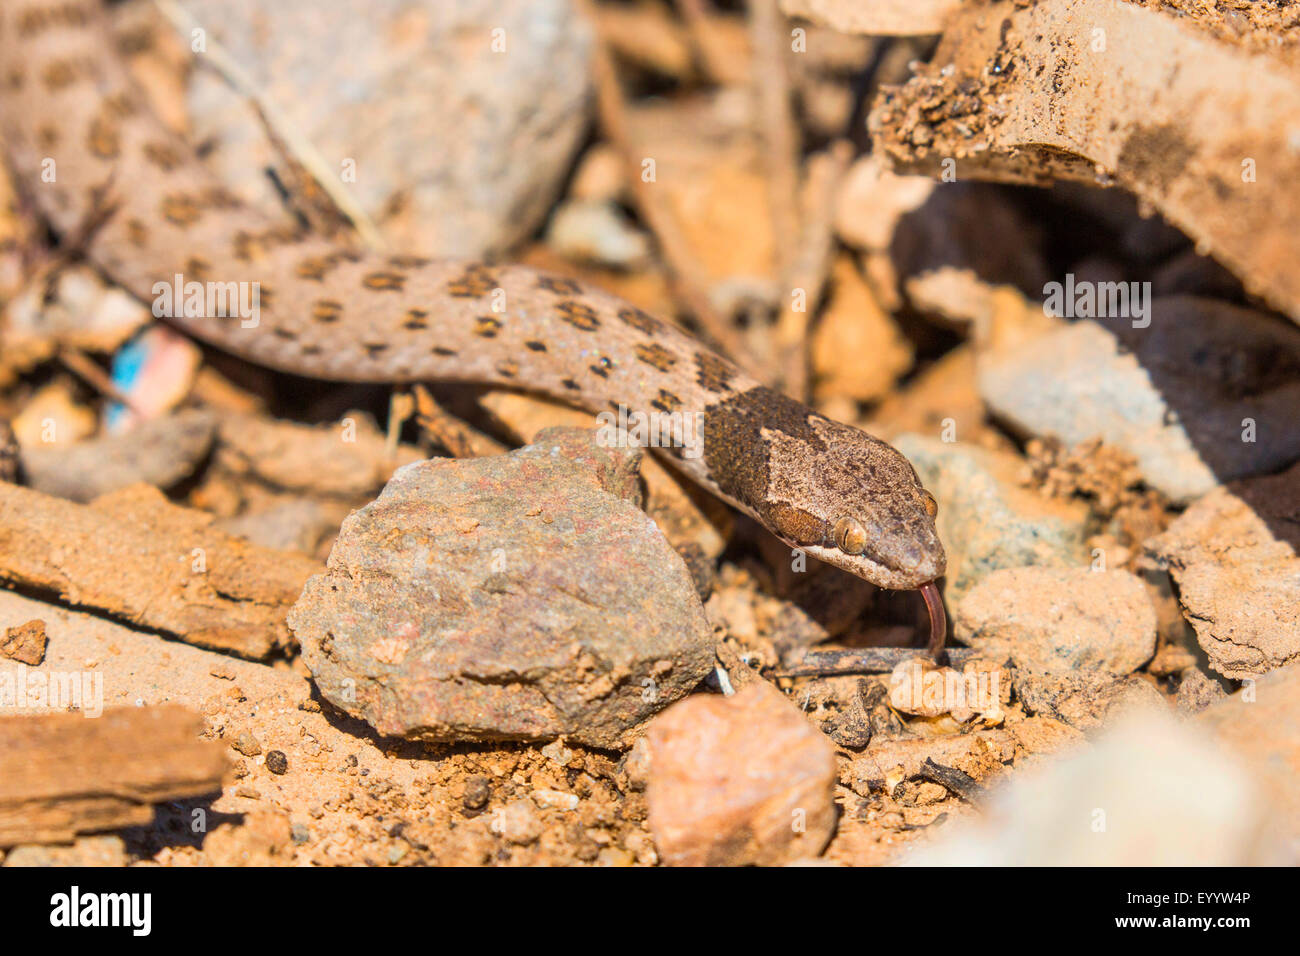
column 850, row 537
column 931, row 506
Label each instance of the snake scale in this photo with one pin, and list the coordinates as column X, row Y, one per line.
column 76, row 129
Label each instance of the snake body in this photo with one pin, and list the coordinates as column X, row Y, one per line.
column 76, row 129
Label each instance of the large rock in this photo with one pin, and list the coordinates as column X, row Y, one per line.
column 1204, row 395
column 459, row 146
column 1060, row 620
column 506, row 598
column 1233, row 556
column 739, row 780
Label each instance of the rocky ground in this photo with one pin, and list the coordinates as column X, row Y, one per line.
column 449, row 626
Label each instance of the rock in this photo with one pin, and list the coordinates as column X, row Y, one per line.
column 1197, row 690
column 1058, row 620
column 555, row 799
column 247, row 744
column 478, row 791
column 597, row 232
column 159, row 452
column 709, row 168
column 986, row 520
column 25, row 643
column 1085, row 699
column 852, row 326
column 377, row 86
column 277, row 762
column 1152, row 792
column 517, row 822
column 1233, row 556
column 1204, row 395
column 940, row 396
column 873, row 199
column 667, row 499
column 1260, row 725
column 841, row 707
column 739, row 780
column 514, row 597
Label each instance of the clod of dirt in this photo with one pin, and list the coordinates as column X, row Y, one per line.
column 739, row 780
column 1086, row 698
column 1233, row 557
column 921, row 687
column 516, row 597
column 979, row 754
column 247, row 744
column 25, row 643
column 1197, row 690
column 1058, row 620
column 1192, row 397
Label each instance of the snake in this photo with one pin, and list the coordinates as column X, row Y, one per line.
column 76, row 129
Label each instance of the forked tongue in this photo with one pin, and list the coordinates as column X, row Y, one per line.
column 938, row 620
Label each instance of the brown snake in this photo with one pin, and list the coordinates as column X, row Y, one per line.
column 76, row 128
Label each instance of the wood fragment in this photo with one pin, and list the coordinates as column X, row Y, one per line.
column 811, row 266
column 460, row 439
column 952, row 779
column 781, row 140
column 688, row 282
column 135, row 555
column 64, row 774
column 865, row 660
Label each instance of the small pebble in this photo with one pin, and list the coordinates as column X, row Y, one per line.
column 247, row 744
column 477, row 792
column 517, row 822
column 277, row 762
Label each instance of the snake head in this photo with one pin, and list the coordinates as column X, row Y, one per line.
column 854, row 502
column 830, row 489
